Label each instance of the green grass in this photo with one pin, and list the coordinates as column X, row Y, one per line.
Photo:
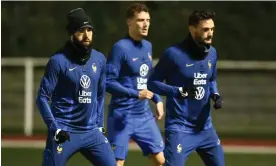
column 33, row 157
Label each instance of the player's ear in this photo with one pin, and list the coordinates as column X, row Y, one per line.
column 128, row 21
column 191, row 29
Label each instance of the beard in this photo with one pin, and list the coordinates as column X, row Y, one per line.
column 202, row 41
column 81, row 51
column 81, row 44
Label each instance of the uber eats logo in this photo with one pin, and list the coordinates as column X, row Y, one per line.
column 200, row 79
column 85, row 95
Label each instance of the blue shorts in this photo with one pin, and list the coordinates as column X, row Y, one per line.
column 93, row 145
column 179, row 145
column 143, row 130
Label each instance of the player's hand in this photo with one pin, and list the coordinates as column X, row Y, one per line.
column 218, row 101
column 159, row 111
column 188, row 92
column 145, row 94
column 61, row 136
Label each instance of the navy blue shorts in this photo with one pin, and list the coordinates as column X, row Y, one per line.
column 93, row 145
column 143, row 130
column 179, row 145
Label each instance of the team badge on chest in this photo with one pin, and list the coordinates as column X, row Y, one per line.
column 150, row 57
column 94, row 67
column 209, row 64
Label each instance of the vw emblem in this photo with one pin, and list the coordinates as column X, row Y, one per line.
column 200, row 93
column 85, row 81
column 144, row 70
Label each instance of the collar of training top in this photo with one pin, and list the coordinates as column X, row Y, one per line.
column 135, row 42
column 79, row 54
column 196, row 52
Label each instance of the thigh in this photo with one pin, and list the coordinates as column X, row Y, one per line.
column 210, row 150
column 147, row 135
column 208, row 138
column 212, row 156
column 99, row 152
column 178, row 146
column 58, row 154
column 119, row 137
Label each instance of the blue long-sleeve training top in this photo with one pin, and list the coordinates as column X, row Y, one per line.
column 71, row 94
column 128, row 67
column 178, row 69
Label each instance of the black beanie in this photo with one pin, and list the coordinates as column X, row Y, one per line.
column 78, row 19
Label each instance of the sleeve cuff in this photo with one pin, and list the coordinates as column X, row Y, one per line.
column 156, row 98
column 133, row 93
column 54, row 127
column 176, row 91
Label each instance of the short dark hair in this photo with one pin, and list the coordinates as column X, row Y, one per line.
column 136, row 8
column 198, row 15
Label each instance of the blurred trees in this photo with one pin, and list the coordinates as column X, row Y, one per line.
column 244, row 30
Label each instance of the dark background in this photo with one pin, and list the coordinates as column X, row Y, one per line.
column 244, row 30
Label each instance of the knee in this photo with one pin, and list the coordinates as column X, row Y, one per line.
column 120, row 162
column 158, row 159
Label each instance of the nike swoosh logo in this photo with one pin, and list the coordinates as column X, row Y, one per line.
column 134, row 59
column 189, row 65
column 71, row 69
column 185, row 94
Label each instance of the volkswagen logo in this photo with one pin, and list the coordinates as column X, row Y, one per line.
column 200, row 93
column 144, row 69
column 85, row 81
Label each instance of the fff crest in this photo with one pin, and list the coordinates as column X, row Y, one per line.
column 209, row 64
column 94, row 67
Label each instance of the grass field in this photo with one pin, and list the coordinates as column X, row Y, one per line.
column 33, row 157
column 27, row 151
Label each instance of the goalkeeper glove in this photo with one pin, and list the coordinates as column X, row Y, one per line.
column 61, row 136
column 218, row 101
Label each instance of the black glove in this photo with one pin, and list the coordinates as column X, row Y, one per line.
column 61, row 136
column 218, row 101
column 188, row 92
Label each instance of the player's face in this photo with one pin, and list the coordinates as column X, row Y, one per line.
column 139, row 24
column 204, row 31
column 84, row 36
